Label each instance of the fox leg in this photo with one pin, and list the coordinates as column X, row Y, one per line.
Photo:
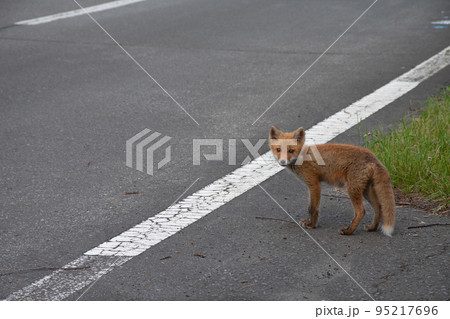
column 313, row 208
column 356, row 198
column 372, row 198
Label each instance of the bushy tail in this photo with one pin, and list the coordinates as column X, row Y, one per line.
column 385, row 194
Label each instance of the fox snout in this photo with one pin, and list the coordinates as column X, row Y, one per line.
column 285, row 162
column 286, row 147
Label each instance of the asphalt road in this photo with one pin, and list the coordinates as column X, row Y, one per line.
column 70, row 98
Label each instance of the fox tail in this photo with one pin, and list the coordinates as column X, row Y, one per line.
column 385, row 194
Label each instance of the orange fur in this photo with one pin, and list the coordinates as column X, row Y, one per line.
column 355, row 167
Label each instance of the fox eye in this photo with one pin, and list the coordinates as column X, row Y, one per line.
column 291, row 151
column 278, row 149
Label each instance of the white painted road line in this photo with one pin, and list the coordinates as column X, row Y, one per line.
column 441, row 22
column 61, row 284
column 78, row 12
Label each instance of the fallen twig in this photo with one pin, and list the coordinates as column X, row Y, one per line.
column 132, row 193
column 428, row 225
column 167, row 257
column 279, row 219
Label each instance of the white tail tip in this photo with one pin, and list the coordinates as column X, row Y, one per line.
column 387, row 230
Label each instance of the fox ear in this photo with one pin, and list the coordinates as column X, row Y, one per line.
column 299, row 134
column 274, row 133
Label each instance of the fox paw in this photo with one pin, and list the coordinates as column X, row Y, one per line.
column 345, row 231
column 370, row 228
column 306, row 224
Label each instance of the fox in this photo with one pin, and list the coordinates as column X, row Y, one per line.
column 341, row 165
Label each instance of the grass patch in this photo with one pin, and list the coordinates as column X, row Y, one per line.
column 417, row 154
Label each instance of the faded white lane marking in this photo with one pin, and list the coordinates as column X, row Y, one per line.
column 119, row 261
column 60, row 284
column 444, row 22
column 78, row 12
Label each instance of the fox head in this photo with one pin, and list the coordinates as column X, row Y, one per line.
column 286, row 146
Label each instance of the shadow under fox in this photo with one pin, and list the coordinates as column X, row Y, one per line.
column 355, row 167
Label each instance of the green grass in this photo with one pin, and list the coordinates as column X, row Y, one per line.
column 417, row 154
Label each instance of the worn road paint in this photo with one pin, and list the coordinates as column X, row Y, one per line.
column 444, row 22
column 78, row 12
column 118, row 250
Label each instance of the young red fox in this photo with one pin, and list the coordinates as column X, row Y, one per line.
column 353, row 166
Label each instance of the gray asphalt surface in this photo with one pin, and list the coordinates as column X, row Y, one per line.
column 70, row 98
